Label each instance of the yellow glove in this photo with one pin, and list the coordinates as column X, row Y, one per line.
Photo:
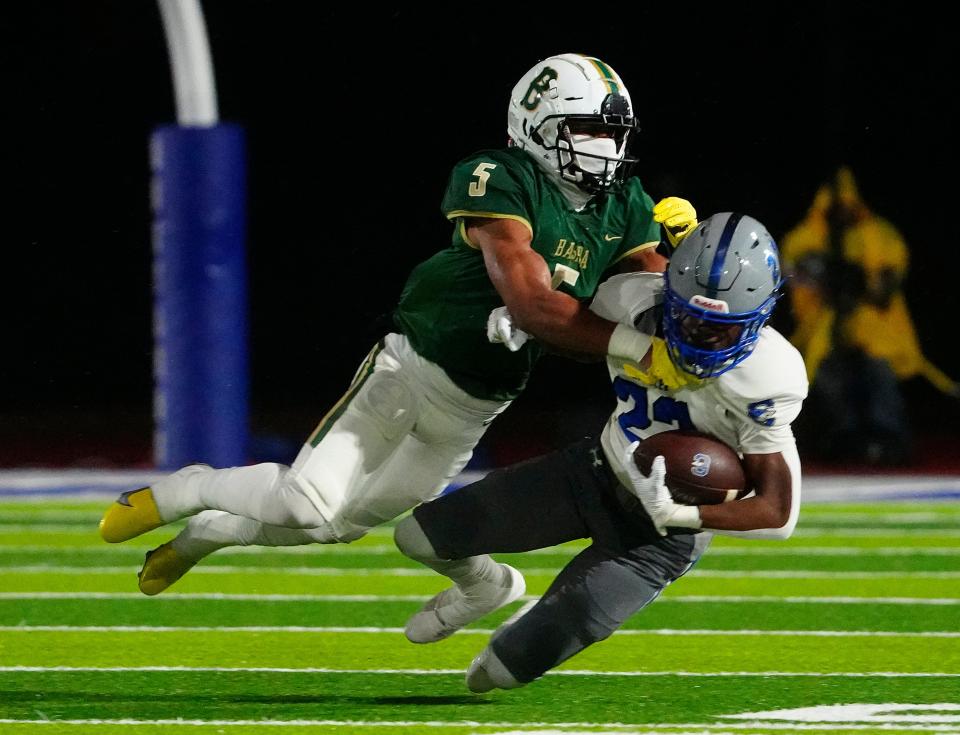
column 677, row 216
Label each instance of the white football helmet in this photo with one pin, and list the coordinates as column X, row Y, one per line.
column 573, row 115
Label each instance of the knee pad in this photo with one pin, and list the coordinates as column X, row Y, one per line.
column 389, row 402
column 299, row 506
column 412, row 541
column 588, row 619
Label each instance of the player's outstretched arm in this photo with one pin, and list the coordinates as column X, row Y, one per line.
column 522, row 279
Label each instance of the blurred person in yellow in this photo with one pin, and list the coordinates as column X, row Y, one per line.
column 853, row 326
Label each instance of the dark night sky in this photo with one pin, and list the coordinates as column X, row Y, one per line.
column 354, row 119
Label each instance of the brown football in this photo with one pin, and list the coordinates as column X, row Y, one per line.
column 701, row 469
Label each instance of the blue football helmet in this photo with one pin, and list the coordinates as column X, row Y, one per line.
column 720, row 289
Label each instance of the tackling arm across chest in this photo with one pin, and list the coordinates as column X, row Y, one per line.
column 523, row 280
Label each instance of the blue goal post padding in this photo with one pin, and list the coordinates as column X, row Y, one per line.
column 201, row 364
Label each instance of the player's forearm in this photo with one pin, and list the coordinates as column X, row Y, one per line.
column 647, row 260
column 563, row 324
column 585, row 334
column 772, row 514
column 748, row 515
column 551, row 316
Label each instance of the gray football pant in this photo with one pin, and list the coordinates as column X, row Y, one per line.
column 592, row 597
column 562, row 496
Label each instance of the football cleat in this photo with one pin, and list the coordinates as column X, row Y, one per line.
column 162, row 567
column 133, row 513
column 487, row 672
column 448, row 611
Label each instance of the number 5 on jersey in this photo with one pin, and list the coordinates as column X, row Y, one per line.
column 479, row 187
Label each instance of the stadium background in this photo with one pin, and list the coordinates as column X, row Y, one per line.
column 354, row 118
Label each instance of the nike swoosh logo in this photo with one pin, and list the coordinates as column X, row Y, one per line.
column 611, row 238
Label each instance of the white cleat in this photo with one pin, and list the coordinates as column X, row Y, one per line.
column 448, row 611
column 487, row 672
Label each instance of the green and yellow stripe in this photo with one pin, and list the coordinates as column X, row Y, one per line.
column 609, row 77
column 462, row 213
column 365, row 371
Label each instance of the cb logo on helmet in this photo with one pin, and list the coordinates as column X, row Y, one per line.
column 537, row 87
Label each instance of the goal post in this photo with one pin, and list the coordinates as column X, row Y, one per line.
column 198, row 198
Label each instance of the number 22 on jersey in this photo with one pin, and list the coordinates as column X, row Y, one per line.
column 666, row 410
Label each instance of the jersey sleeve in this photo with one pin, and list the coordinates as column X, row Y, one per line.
column 641, row 231
column 766, row 394
column 623, row 297
column 766, row 427
column 489, row 184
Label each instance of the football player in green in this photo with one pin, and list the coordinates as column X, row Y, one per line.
column 536, row 227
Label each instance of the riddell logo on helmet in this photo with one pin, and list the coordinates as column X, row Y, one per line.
column 710, row 304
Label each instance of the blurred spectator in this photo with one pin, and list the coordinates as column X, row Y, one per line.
column 853, row 327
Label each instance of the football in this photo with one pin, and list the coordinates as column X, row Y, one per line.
column 701, row 469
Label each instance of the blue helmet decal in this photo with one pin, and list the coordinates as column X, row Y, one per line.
column 720, row 256
column 773, row 263
column 763, row 412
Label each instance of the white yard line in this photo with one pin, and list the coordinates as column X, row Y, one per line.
column 424, row 572
column 183, row 596
column 466, row 631
column 795, row 550
column 790, row 549
column 459, row 672
column 517, row 728
column 89, row 528
column 814, row 531
column 815, row 516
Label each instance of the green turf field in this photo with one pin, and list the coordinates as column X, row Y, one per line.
column 851, row 626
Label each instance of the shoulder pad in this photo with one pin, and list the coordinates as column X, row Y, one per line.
column 774, row 369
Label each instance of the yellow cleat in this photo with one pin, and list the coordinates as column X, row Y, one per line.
column 162, row 567
column 132, row 514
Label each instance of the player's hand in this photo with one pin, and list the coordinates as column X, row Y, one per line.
column 677, row 216
column 501, row 330
column 651, row 489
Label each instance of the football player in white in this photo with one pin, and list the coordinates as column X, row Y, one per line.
column 536, row 225
column 711, row 364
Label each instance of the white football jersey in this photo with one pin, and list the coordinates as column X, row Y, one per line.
column 749, row 407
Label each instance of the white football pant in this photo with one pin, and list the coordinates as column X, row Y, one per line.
column 399, row 435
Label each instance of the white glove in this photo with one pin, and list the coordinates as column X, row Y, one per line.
column 501, row 330
column 654, row 495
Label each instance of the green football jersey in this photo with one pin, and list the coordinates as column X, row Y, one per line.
column 445, row 303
